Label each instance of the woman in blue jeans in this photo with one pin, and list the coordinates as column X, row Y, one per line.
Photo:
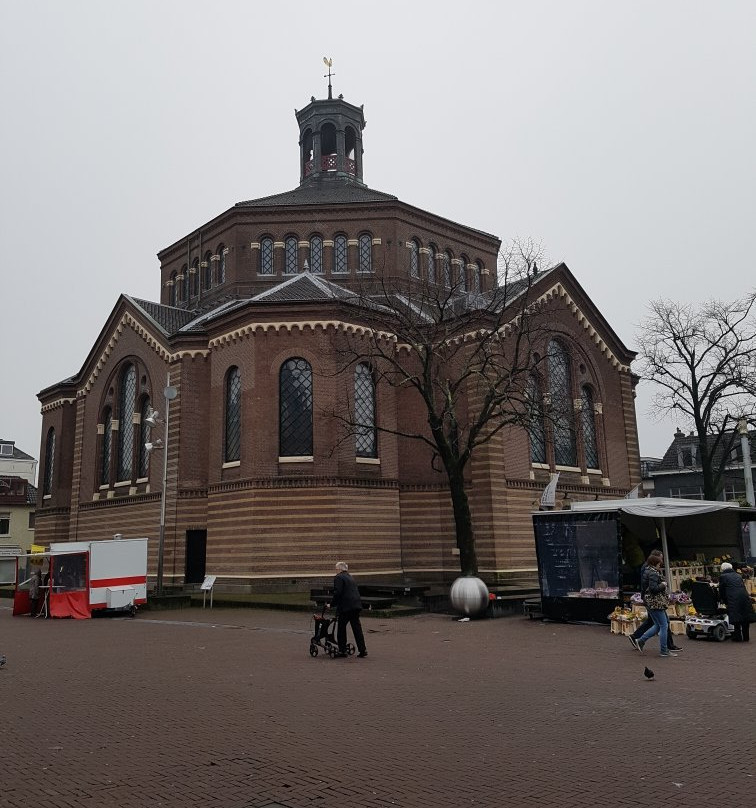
column 654, row 594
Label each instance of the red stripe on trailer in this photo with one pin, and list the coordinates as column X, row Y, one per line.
column 103, row 582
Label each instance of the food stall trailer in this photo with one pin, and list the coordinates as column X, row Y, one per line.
column 78, row 578
column 589, row 555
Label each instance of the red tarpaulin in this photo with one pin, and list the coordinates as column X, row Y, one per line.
column 70, row 604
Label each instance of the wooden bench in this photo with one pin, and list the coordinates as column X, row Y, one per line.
column 323, row 596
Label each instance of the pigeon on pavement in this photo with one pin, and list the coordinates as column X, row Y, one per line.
column 648, row 673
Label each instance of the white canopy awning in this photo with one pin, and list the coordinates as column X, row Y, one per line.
column 656, row 507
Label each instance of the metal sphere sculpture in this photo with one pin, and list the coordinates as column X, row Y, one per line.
column 469, row 596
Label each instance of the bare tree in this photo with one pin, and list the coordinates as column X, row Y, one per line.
column 703, row 362
column 465, row 357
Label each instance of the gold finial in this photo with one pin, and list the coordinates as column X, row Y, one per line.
column 328, row 62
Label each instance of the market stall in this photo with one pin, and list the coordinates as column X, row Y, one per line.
column 74, row 578
column 589, row 557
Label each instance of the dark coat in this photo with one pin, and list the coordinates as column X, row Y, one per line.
column 733, row 594
column 346, row 595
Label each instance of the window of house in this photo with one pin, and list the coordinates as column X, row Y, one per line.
column 232, row 431
column 290, row 256
column 295, row 408
column 207, row 272
column 316, row 255
column 144, row 436
column 447, row 269
column 266, row 256
column 340, row 255
column 536, row 432
column 432, row 263
column 107, row 446
column 366, row 253
column 560, row 392
column 366, row 444
column 414, row 248
column 126, row 407
column 222, row 252
column 4, row 524
column 6, row 449
column 588, row 425
column 686, row 456
column 49, row 462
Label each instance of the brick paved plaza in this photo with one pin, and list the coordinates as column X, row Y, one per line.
column 227, row 709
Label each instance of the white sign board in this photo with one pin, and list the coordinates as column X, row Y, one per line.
column 207, row 584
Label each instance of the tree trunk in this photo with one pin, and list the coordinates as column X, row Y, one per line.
column 468, row 559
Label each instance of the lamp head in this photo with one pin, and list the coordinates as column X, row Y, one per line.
column 153, row 418
column 155, row 444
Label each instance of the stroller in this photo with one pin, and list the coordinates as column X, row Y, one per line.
column 324, row 636
column 711, row 620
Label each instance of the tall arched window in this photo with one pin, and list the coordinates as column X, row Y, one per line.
column 107, row 446
column 536, row 430
column 126, row 406
column 562, row 409
column 588, row 426
column 144, row 436
column 172, row 290
column 207, row 272
column 222, row 251
column 290, row 253
column 183, row 295
column 266, row 256
column 366, row 444
column 366, row 253
column 194, row 278
column 340, row 255
column 462, row 280
column 295, row 409
column 477, row 275
column 232, row 410
column 414, row 248
column 432, row 263
column 316, row 255
column 49, row 462
column 447, row 269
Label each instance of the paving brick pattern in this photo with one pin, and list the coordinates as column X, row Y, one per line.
column 226, row 709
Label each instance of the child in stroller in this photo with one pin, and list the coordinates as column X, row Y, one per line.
column 323, row 636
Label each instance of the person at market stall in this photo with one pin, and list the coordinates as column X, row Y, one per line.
column 654, row 594
column 35, row 583
column 733, row 594
column 649, row 623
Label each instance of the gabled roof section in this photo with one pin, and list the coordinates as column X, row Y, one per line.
column 168, row 318
column 304, row 287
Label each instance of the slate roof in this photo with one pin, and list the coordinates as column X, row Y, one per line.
column 324, row 191
column 17, row 453
column 670, row 460
column 169, row 318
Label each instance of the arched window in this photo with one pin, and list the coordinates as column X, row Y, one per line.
column 316, row 255
column 222, row 252
column 291, row 256
column 172, row 290
column 414, row 248
column 232, row 431
column 340, row 255
column 194, row 278
column 536, row 429
column 432, row 263
column 183, row 295
column 126, row 406
column 107, row 446
column 588, row 425
column 447, row 269
column 562, row 409
column 266, row 256
column 144, row 436
column 49, row 462
column 477, row 275
column 462, row 280
column 366, row 444
column 207, row 272
column 295, row 409
column 366, row 253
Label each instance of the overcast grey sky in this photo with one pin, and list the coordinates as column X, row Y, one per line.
column 619, row 134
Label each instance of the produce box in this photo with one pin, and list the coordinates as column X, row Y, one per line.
column 677, row 626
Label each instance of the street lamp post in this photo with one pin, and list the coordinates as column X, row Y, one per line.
column 747, row 471
column 153, row 419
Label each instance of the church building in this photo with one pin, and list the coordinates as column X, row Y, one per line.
column 242, row 472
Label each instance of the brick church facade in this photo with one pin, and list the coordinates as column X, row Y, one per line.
column 259, row 488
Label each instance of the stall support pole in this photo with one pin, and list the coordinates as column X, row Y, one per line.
column 667, row 565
